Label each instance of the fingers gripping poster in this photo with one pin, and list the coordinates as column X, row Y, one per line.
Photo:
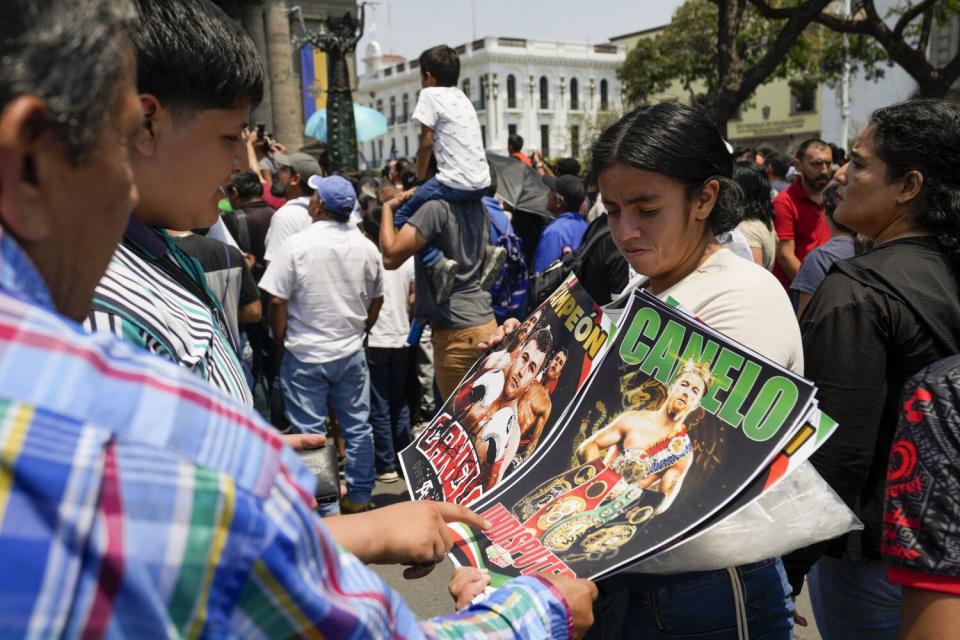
column 507, row 405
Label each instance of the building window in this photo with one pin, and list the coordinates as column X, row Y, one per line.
column 545, row 140
column 604, row 95
column 574, row 141
column 380, row 106
column 483, row 135
column 393, row 111
column 380, row 148
column 803, row 97
column 406, row 108
column 574, row 94
column 393, row 148
column 482, row 98
column 544, row 96
column 406, row 146
column 511, row 130
column 511, row 92
column 466, row 87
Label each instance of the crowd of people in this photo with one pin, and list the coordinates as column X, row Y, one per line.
column 185, row 304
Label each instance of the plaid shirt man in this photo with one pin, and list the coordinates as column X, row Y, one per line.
column 137, row 501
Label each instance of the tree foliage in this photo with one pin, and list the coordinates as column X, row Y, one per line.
column 901, row 35
column 685, row 51
column 720, row 51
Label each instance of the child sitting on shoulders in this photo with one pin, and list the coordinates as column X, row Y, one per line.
column 450, row 132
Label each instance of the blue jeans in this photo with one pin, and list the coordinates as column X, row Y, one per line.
column 346, row 383
column 389, row 411
column 853, row 599
column 700, row 605
column 432, row 190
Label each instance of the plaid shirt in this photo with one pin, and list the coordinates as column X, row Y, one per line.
column 136, row 501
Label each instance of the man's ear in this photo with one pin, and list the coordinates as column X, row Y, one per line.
column 31, row 156
column 155, row 119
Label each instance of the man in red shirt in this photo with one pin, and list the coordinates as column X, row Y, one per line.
column 798, row 210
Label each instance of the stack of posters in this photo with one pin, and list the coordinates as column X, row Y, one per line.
column 648, row 439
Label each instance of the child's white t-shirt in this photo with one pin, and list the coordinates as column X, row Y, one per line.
column 457, row 143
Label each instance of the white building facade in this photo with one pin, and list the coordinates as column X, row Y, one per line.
column 547, row 92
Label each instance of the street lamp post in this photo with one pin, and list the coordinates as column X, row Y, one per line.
column 337, row 37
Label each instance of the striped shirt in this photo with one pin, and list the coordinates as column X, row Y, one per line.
column 156, row 297
column 136, row 501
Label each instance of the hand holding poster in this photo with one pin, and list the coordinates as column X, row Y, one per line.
column 674, row 424
column 506, row 406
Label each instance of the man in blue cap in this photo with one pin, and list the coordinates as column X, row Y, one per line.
column 327, row 288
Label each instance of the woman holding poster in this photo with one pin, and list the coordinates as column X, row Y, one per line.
column 665, row 176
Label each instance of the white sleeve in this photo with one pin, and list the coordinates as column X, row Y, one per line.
column 283, row 224
column 409, row 273
column 376, row 275
column 281, row 275
column 426, row 112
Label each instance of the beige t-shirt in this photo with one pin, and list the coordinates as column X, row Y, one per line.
column 761, row 237
column 741, row 300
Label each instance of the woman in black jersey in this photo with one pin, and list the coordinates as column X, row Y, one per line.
column 875, row 321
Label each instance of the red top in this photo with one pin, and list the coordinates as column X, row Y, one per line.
column 925, row 581
column 798, row 218
column 271, row 199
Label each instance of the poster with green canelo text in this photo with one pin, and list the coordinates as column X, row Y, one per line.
column 673, row 424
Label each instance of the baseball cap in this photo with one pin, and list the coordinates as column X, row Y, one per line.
column 337, row 194
column 570, row 187
column 303, row 164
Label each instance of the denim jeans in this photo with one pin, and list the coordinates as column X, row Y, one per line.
column 432, row 189
column 853, row 599
column 346, row 383
column 389, row 411
column 702, row 604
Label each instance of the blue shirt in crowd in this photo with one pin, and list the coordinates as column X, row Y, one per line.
column 565, row 231
column 816, row 265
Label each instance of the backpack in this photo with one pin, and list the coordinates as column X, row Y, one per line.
column 509, row 292
column 546, row 282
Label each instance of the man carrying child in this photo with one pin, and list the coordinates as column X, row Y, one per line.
column 449, row 132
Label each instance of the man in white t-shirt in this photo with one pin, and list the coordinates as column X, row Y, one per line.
column 388, row 358
column 327, row 288
column 291, row 183
column 450, row 132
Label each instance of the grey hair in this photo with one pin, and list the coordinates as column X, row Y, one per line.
column 69, row 54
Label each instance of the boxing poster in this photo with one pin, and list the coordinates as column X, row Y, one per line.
column 675, row 423
column 506, row 407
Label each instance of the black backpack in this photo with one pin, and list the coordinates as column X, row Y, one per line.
column 547, row 281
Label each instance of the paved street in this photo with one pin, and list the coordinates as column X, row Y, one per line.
column 428, row 596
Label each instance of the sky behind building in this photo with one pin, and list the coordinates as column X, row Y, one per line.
column 407, row 27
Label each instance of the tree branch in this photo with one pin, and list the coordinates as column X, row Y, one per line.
column 925, row 28
column 910, row 14
column 799, row 19
column 832, row 22
column 949, row 73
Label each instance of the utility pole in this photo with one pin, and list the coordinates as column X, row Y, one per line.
column 337, row 38
column 845, row 87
